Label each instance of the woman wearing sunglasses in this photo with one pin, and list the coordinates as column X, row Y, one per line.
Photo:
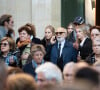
column 7, row 54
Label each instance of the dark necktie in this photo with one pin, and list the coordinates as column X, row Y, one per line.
column 59, row 48
column 59, row 60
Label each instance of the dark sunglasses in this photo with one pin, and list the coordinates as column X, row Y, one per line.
column 59, row 33
column 4, row 44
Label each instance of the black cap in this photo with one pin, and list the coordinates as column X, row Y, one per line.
column 79, row 20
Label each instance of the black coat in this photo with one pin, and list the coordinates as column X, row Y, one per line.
column 28, row 68
column 48, row 48
column 91, row 59
column 36, row 40
column 86, row 49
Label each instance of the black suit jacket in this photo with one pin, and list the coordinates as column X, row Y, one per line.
column 86, row 49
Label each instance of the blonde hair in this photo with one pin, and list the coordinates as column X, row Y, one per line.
column 84, row 29
column 14, row 70
column 37, row 47
column 21, row 82
column 51, row 28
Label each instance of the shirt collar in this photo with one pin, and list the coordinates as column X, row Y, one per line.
column 82, row 42
column 35, row 64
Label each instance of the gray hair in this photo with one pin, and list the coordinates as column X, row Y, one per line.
column 50, row 71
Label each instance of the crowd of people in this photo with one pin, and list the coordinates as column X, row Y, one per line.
column 66, row 58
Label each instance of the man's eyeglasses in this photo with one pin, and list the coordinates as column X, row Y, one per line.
column 59, row 33
column 3, row 44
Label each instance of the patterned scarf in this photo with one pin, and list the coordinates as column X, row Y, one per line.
column 22, row 43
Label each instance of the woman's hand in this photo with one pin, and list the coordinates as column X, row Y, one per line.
column 76, row 45
column 24, row 56
column 11, row 60
column 53, row 40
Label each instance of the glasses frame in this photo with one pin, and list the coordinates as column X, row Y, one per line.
column 60, row 33
column 4, row 44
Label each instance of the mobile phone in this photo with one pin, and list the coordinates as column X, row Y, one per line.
column 54, row 38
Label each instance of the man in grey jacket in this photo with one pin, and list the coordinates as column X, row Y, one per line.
column 6, row 23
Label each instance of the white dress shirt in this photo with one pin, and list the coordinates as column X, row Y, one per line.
column 62, row 45
column 82, row 42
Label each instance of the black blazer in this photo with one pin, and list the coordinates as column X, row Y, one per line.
column 86, row 49
column 48, row 48
column 28, row 68
column 36, row 40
